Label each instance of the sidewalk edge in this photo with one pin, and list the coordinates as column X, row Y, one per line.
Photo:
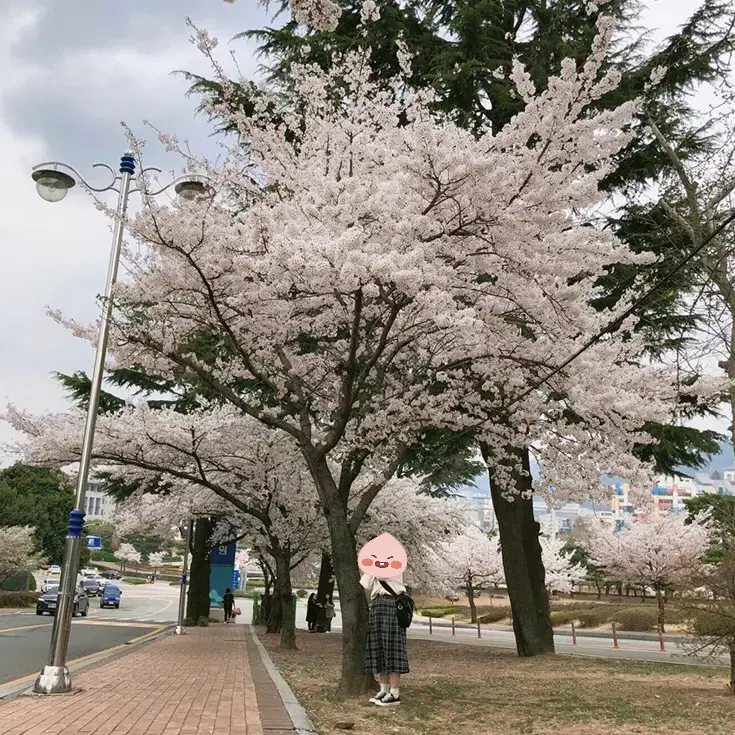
column 91, row 659
column 300, row 720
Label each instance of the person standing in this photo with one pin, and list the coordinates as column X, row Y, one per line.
column 311, row 612
column 228, row 602
column 329, row 613
column 385, row 652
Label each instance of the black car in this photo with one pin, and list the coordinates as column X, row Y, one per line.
column 91, row 587
column 47, row 603
column 111, row 575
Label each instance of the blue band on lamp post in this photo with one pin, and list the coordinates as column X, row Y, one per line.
column 76, row 523
column 127, row 164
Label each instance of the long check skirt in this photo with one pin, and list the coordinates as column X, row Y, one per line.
column 385, row 652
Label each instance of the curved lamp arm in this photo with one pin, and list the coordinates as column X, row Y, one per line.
column 57, row 165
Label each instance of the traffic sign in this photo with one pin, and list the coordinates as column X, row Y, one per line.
column 236, row 579
column 93, row 542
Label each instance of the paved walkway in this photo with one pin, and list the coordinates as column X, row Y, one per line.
column 211, row 681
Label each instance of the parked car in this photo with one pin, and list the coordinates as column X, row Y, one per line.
column 48, row 584
column 48, row 602
column 453, row 597
column 91, row 587
column 54, row 570
column 110, row 596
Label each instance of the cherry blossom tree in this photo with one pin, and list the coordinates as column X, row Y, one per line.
column 664, row 553
column 18, row 551
column 155, row 560
column 367, row 271
column 127, row 554
column 561, row 572
column 472, row 562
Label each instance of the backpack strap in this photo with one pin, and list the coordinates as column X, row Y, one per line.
column 386, row 586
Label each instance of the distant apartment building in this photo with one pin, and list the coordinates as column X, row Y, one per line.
column 99, row 506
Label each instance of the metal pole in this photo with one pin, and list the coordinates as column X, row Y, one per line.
column 180, row 629
column 55, row 677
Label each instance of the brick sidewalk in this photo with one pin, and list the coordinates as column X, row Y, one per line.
column 211, row 681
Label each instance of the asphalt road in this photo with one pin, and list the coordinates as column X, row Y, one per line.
column 25, row 637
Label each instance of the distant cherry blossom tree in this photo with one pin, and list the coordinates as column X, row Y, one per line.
column 155, row 560
column 471, row 562
column 662, row 552
column 561, row 572
column 18, row 551
column 127, row 554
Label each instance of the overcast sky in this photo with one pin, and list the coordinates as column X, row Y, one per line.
column 70, row 72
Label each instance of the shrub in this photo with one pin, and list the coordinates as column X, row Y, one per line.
column 494, row 615
column 558, row 606
column 203, row 621
column 24, row 598
column 240, row 593
column 593, row 618
column 301, row 593
column 564, row 617
column 101, row 555
column 438, row 611
column 637, row 619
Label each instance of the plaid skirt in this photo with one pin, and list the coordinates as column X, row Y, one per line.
column 385, row 652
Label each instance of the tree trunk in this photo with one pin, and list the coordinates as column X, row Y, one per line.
column 473, row 607
column 325, row 589
column 524, row 570
column 661, row 600
column 352, row 599
column 275, row 614
column 599, row 591
column 197, row 601
column 285, row 594
column 732, row 667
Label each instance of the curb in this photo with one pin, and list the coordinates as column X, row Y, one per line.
column 95, row 658
column 300, row 720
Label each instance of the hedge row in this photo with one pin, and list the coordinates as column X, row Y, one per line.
column 18, row 599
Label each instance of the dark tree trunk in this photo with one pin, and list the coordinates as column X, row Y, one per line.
column 473, row 606
column 661, row 600
column 197, row 602
column 732, row 667
column 524, row 569
column 275, row 614
column 352, row 598
column 285, row 599
column 324, row 590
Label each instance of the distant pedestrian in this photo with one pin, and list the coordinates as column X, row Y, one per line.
column 385, row 652
column 329, row 613
column 311, row 612
column 228, row 601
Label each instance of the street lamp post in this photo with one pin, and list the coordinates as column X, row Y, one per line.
column 53, row 180
column 180, row 630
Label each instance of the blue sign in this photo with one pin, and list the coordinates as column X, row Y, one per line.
column 223, row 556
column 236, row 579
column 93, row 542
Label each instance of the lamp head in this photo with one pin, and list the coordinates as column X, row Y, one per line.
column 52, row 185
column 191, row 189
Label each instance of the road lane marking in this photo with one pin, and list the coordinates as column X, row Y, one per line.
column 82, row 659
column 26, row 627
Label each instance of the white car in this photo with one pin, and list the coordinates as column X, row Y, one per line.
column 54, row 570
column 49, row 584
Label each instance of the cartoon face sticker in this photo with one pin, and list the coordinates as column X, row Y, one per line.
column 382, row 557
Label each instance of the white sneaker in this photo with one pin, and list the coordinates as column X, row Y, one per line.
column 388, row 701
column 378, row 697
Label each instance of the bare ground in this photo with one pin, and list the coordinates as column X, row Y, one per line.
column 486, row 691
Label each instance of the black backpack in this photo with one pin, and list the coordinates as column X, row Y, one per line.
column 404, row 606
